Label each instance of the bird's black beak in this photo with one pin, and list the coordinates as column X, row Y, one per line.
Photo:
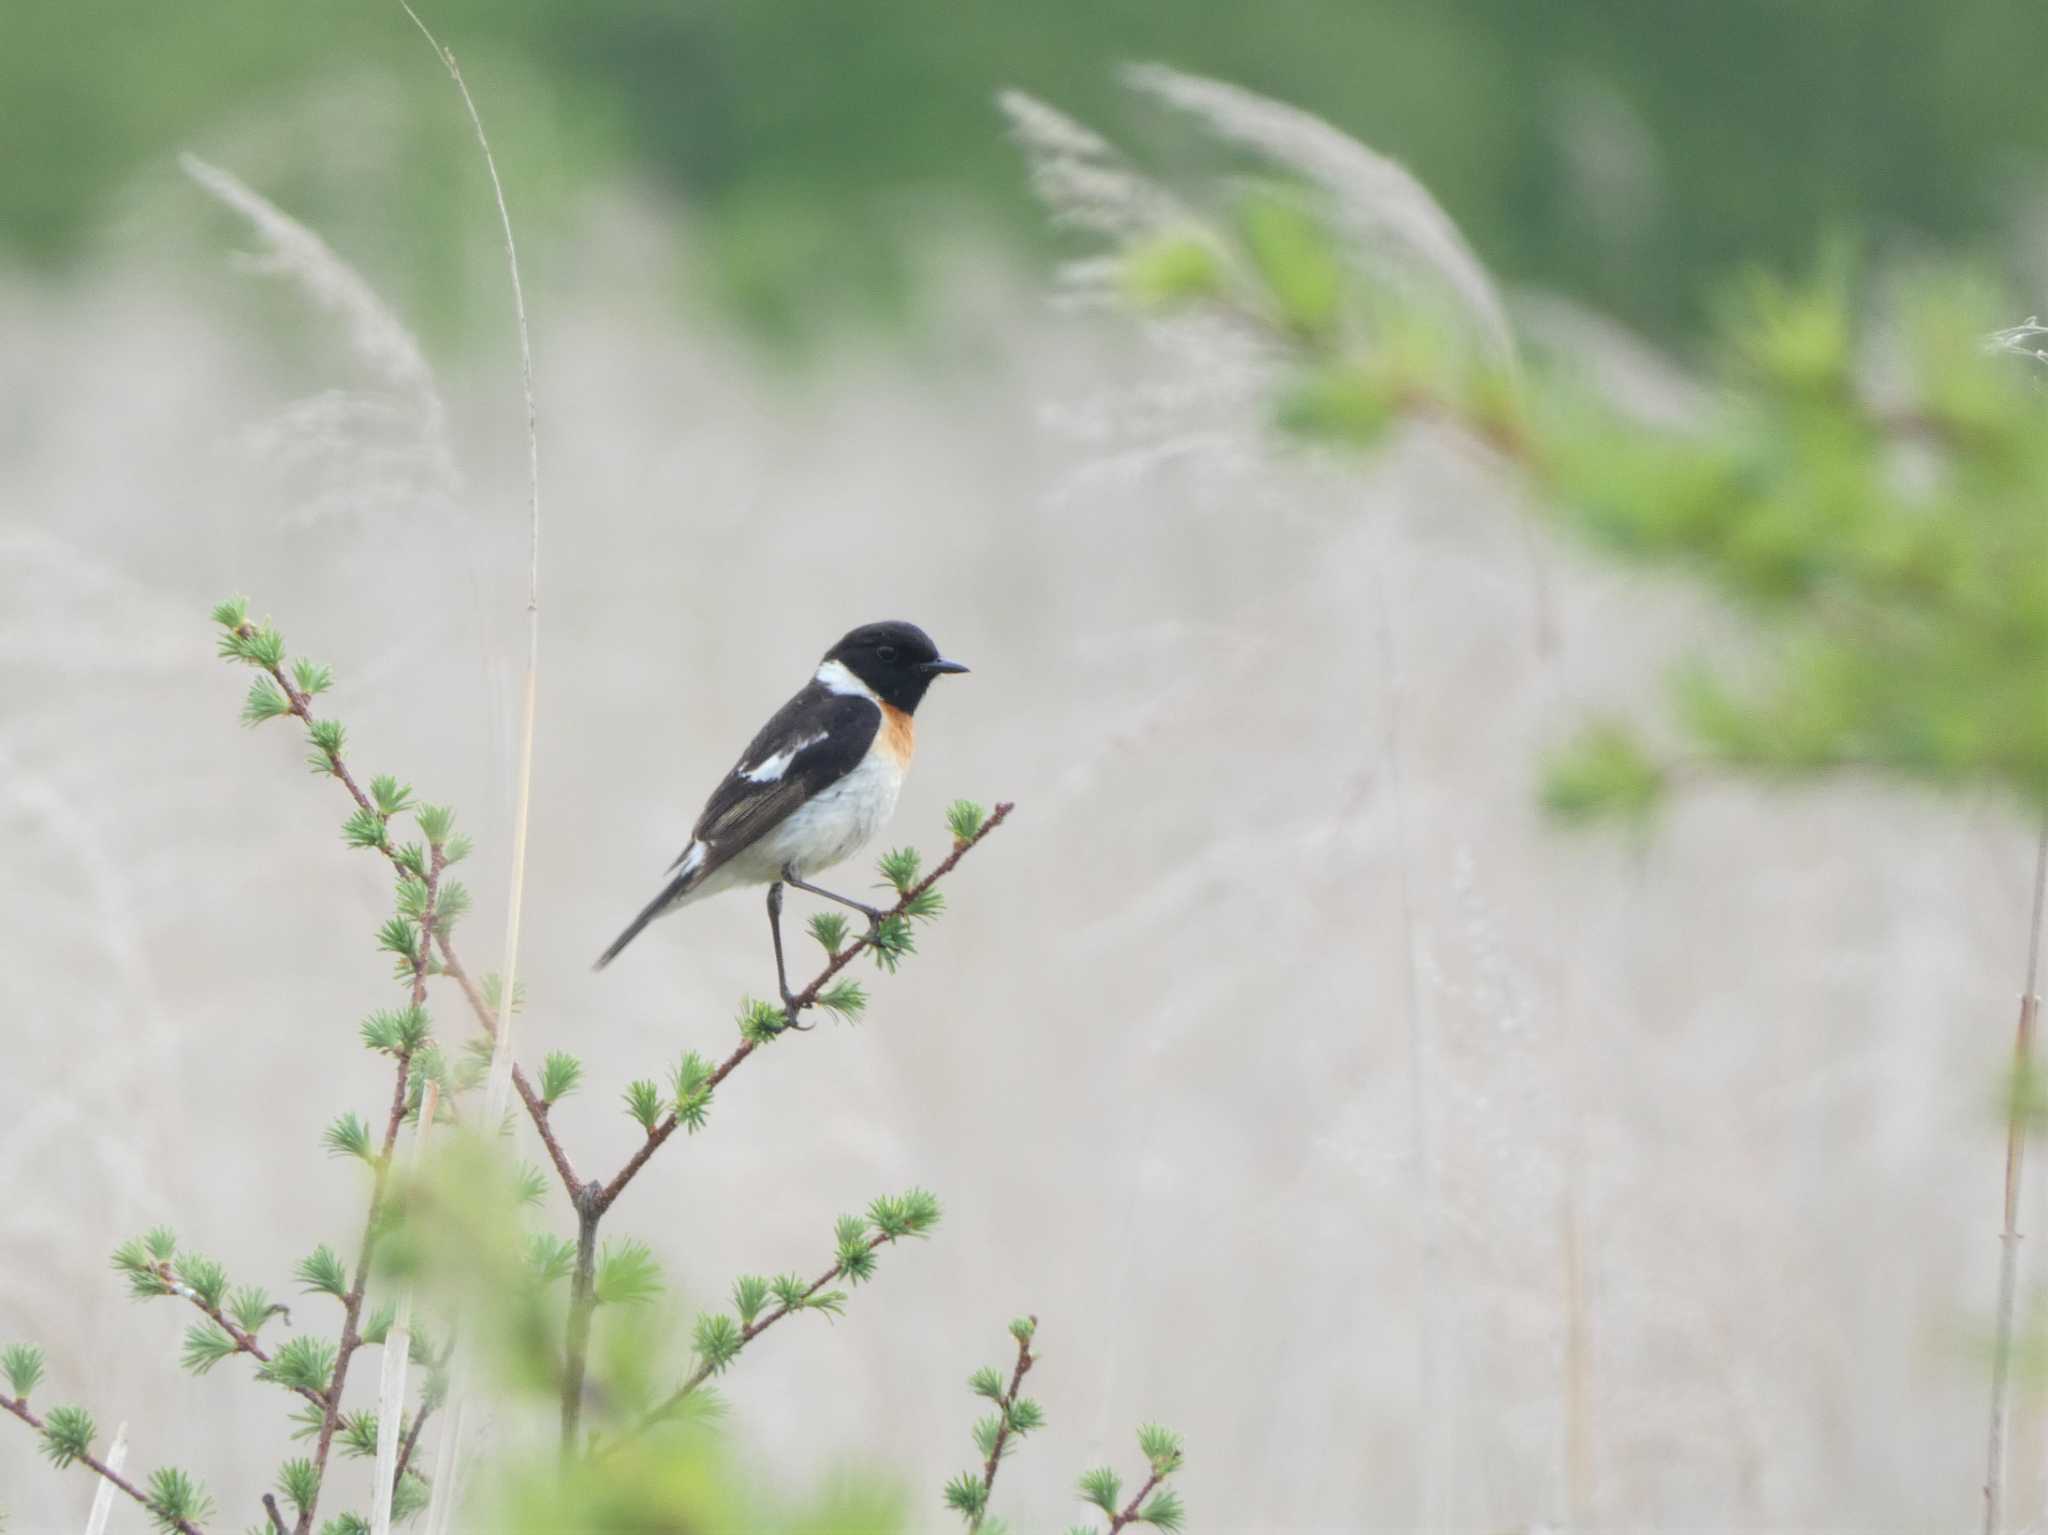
column 934, row 668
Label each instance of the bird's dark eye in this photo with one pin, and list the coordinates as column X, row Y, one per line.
column 887, row 652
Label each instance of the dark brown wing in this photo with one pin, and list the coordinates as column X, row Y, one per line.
column 813, row 741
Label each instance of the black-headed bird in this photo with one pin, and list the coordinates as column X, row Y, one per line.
column 813, row 787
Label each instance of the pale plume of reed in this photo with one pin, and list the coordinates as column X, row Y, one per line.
column 1378, row 201
column 400, row 429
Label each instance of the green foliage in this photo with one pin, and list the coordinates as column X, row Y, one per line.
column 174, row 1499
column 356, row 1433
column 206, row 1345
column 410, row 1496
column 891, row 942
column 266, row 701
column 397, row 1031
column 1296, row 260
column 965, row 820
column 529, row 1185
column 1163, row 1510
column 389, row 795
column 312, row 679
column 559, row 1074
column 761, row 1021
column 452, row 906
column 829, row 928
column 346, row 1524
column 204, row 1277
column 718, row 1340
column 550, row 1258
column 22, row 1364
column 900, row 866
column 966, row 1495
column 1341, row 402
column 1161, row 1448
column 300, row 1483
column 232, row 613
column 253, row 646
column 348, row 1136
column 1101, row 1486
column 925, row 906
column 911, row 1214
column 436, row 822
column 321, row 1271
column 303, row 1363
column 692, row 1084
column 141, row 1258
column 627, row 1274
column 329, row 740
column 251, row 1307
column 68, row 1433
column 987, row 1381
column 365, row 829
column 1604, row 772
column 376, row 1327
column 643, row 1103
column 1166, row 271
column 749, row 1294
column 493, row 986
column 846, row 998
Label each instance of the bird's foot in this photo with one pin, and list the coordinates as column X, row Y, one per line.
column 789, row 1012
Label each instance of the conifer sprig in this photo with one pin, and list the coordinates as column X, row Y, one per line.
column 263, row 647
column 1014, row 1417
column 719, row 1338
column 155, row 1268
column 839, row 999
column 174, row 1501
column 1153, row 1503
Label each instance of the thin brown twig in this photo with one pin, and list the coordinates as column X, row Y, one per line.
column 276, row 1516
column 451, row 965
column 1130, row 1513
column 1004, row 1404
column 20, row 1408
column 245, row 1342
column 748, row 1334
column 412, row 1439
column 576, row 1335
column 804, row 999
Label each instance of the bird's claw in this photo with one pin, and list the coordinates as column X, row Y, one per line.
column 789, row 1012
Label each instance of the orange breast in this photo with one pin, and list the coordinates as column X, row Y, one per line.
column 899, row 734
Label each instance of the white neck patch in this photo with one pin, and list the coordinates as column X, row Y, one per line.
column 833, row 677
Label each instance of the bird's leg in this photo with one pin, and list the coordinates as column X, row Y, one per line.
column 874, row 914
column 781, row 972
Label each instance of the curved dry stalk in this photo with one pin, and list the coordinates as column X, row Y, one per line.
column 501, row 1071
column 2009, row 1239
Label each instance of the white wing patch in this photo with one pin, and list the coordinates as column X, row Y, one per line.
column 834, row 677
column 770, row 769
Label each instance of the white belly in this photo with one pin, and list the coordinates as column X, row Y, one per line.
column 831, row 826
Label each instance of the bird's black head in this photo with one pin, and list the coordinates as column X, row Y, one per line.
column 897, row 660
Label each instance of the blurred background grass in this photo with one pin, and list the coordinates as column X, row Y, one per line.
column 1627, row 154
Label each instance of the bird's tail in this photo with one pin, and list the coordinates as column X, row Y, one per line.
column 689, row 871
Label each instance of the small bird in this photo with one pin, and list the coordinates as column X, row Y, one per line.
column 813, row 787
